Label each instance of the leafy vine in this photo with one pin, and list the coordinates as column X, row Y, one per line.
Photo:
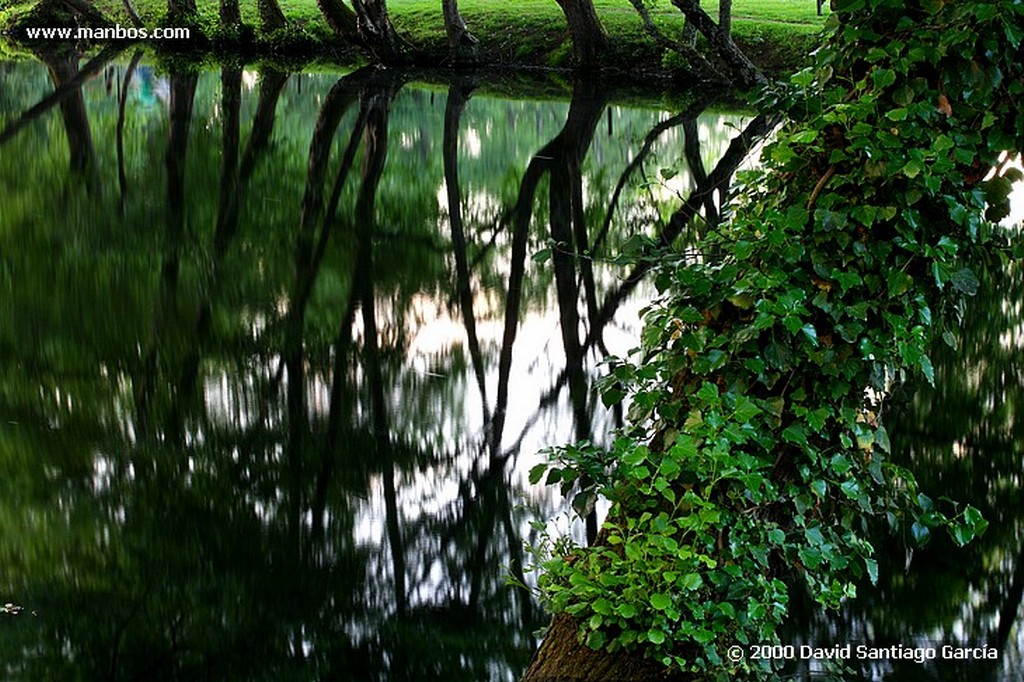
column 767, row 360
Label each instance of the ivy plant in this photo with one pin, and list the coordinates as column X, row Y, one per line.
column 757, row 456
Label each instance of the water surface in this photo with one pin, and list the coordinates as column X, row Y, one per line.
column 280, row 349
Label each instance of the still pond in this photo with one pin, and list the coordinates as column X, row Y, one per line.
column 279, row 351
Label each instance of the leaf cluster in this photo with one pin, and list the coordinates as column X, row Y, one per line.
column 766, row 365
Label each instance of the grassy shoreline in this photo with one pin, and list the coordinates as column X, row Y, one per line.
column 777, row 34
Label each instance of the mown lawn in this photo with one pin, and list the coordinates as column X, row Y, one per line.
column 774, row 32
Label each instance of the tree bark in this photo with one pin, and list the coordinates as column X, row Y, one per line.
column 690, row 32
column 725, row 17
column 561, row 658
column 85, row 9
column 230, row 14
column 81, row 151
column 271, row 16
column 461, row 42
column 685, row 47
column 377, row 32
column 588, row 36
column 179, row 9
column 340, row 18
column 133, row 14
column 743, row 71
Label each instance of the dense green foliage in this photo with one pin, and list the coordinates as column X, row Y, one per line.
column 765, row 368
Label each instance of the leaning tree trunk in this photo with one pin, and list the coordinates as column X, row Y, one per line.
column 377, row 32
column 179, row 9
column 725, row 17
column 561, row 658
column 743, row 71
column 230, row 15
column 339, row 17
column 690, row 32
column 133, row 14
column 685, row 47
column 85, row 9
column 271, row 16
column 81, row 151
column 803, row 253
column 589, row 39
column 461, row 42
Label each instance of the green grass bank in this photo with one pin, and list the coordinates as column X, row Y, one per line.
column 777, row 34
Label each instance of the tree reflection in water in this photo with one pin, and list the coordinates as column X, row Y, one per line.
column 275, row 367
column 964, row 441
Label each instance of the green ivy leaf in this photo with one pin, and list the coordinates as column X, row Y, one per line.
column 920, row 532
column 811, row 333
column 746, row 409
column 883, row 78
column 898, row 114
column 710, row 361
column 596, row 639
column 691, row 581
column 965, row 281
column 794, row 433
column 899, row 283
column 912, row 168
column 927, row 369
column 661, row 601
column 627, row 610
column 872, row 567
